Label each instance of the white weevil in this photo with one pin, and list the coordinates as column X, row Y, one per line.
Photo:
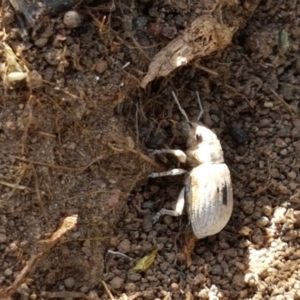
column 207, row 187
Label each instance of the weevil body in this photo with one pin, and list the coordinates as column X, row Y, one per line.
column 207, row 188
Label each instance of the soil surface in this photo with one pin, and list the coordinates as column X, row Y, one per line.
column 75, row 127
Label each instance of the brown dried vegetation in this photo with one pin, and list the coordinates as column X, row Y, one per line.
column 75, row 126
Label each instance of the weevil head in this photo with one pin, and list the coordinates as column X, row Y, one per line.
column 198, row 134
column 203, row 144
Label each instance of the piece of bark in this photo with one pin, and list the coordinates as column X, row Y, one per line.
column 204, row 36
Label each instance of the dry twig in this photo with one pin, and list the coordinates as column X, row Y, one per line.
column 46, row 245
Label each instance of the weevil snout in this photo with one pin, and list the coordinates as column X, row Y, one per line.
column 195, row 133
column 198, row 134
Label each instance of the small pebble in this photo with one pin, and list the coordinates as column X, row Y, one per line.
column 101, row 66
column 132, row 276
column 117, row 282
column 199, row 279
column 72, row 19
column 292, row 175
column 84, row 289
column 3, row 238
column 263, row 221
column 33, row 297
column 147, row 223
column 41, row 42
column 245, row 230
column 296, row 145
column 175, row 286
column 7, row 272
column 267, row 210
column 279, row 215
column 295, row 133
column 238, row 281
column 247, row 206
column 283, row 152
column 114, row 242
column 124, row 246
column 69, row 282
column 280, row 143
column 268, row 104
column 257, row 236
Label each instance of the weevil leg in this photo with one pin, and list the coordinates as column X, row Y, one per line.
column 178, row 153
column 200, row 106
column 174, row 213
column 173, row 172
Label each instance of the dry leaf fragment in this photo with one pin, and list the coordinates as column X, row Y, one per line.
column 145, row 263
column 188, row 248
column 204, row 36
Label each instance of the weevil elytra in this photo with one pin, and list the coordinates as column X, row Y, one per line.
column 207, row 187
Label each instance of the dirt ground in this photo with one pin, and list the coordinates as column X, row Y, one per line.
column 74, row 136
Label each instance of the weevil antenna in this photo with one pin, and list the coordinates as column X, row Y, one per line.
column 200, row 106
column 179, row 106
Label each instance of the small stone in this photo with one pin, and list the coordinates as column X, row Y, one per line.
column 263, row 221
column 7, row 272
column 52, row 56
column 84, row 289
column 3, row 238
column 238, row 281
column 69, row 282
column 264, row 122
column 132, row 276
column 199, row 279
column 114, row 242
column 217, row 270
column 245, row 230
column 268, row 104
column 168, row 220
column 280, row 143
column 147, row 223
column 130, row 287
column 290, row 235
column 275, row 173
column 295, row 133
column 41, row 42
column 272, row 271
column 101, row 66
column 243, row 294
column 292, row 175
column 115, row 47
column 267, row 210
column 174, row 286
column 203, row 294
column 231, row 252
column 72, row 19
column 247, row 206
column 13, row 247
column 257, row 236
column 283, row 152
column 117, row 282
column 296, row 145
column 279, row 215
column 240, row 266
column 124, row 246
column 287, row 90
